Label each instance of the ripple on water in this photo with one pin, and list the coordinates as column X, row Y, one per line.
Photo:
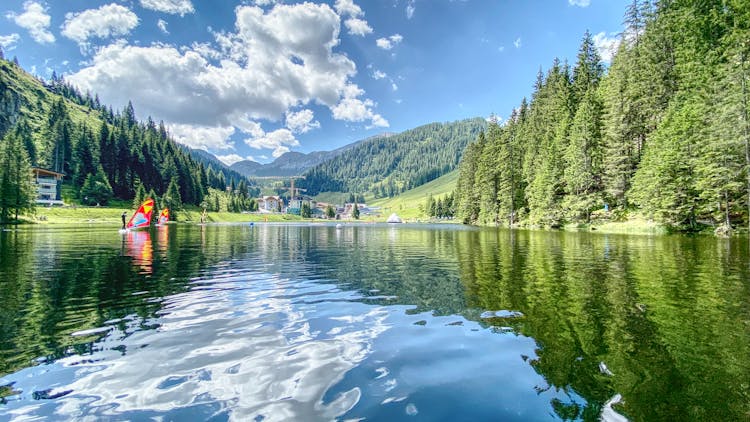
column 284, row 323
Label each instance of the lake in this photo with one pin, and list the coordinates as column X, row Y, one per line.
column 381, row 322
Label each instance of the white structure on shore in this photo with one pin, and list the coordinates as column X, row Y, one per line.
column 270, row 203
column 394, row 219
column 46, row 185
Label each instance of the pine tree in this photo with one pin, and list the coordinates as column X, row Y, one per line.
column 583, row 160
column 725, row 157
column 618, row 158
column 664, row 185
column 23, row 131
column 588, row 69
column 355, row 211
column 305, row 211
column 140, row 195
column 429, row 206
column 509, row 186
column 487, row 175
column 467, row 196
column 172, row 199
column 17, row 191
column 96, row 189
column 86, row 157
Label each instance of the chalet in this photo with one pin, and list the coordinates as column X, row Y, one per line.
column 270, row 203
column 46, row 183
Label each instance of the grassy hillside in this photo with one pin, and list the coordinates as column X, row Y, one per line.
column 28, row 97
column 386, row 166
column 407, row 205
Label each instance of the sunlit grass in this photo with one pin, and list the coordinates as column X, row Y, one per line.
column 111, row 216
column 409, row 205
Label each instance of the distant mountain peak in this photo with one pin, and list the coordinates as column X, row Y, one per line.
column 295, row 163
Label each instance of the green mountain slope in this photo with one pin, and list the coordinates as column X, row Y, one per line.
column 383, row 167
column 23, row 97
column 410, row 204
column 74, row 134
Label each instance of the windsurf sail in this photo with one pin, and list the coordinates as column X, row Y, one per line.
column 142, row 217
column 164, row 216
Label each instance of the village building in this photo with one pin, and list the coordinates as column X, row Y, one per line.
column 270, row 203
column 46, row 182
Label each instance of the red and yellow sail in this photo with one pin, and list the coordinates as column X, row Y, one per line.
column 164, row 216
column 142, row 217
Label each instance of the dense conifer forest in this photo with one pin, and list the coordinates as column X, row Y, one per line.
column 663, row 131
column 102, row 153
column 387, row 166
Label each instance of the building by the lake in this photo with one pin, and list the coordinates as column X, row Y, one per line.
column 270, row 203
column 46, row 182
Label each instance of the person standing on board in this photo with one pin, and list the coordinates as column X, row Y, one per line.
column 124, row 214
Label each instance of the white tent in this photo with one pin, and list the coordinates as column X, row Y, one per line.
column 394, row 219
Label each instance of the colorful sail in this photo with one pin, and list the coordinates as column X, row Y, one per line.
column 142, row 217
column 164, row 216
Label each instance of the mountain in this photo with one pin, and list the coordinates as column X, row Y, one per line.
column 205, row 157
column 294, row 163
column 74, row 134
column 246, row 167
column 388, row 165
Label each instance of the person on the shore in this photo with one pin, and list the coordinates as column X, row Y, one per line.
column 124, row 214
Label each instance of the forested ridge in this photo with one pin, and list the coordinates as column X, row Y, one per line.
column 663, row 132
column 102, row 153
column 388, row 165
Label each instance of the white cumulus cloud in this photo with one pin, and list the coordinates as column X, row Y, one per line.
column 354, row 24
column 378, row 74
column 353, row 109
column 301, row 121
column 279, row 141
column 173, row 7
column 358, row 26
column 517, row 42
column 277, row 60
column 202, row 137
column 8, row 42
column 388, row 43
column 347, row 7
column 230, row 159
column 606, row 45
column 579, row 3
column 107, row 21
column 410, row 9
column 162, row 24
column 36, row 20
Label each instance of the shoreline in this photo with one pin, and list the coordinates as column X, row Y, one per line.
column 110, row 216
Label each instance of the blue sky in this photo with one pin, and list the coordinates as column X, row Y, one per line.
column 256, row 78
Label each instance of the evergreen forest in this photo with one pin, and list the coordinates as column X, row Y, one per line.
column 388, row 165
column 103, row 154
column 662, row 132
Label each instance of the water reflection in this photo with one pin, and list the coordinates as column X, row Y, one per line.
column 381, row 322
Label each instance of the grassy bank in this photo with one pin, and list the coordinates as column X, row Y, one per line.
column 111, row 216
column 630, row 226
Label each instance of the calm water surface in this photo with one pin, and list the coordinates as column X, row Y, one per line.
column 283, row 322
